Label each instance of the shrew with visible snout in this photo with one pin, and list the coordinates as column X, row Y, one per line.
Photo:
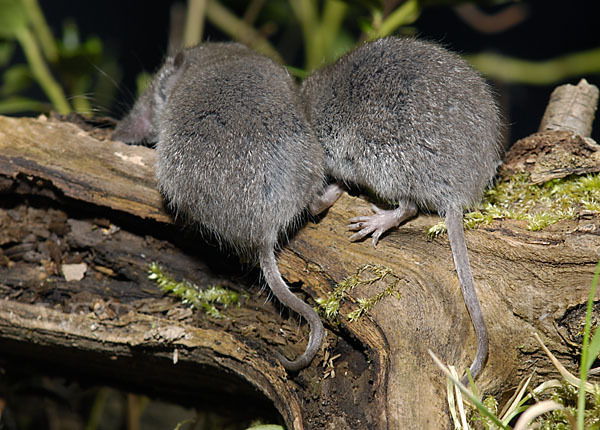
column 236, row 155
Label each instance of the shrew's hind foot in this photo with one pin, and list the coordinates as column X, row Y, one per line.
column 382, row 221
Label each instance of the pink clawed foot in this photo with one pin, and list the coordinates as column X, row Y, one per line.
column 383, row 220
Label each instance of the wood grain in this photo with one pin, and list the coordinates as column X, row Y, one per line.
column 527, row 282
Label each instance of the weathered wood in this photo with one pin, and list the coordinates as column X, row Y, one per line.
column 107, row 173
column 107, row 234
column 176, row 348
column 551, row 154
column 526, row 281
column 572, row 108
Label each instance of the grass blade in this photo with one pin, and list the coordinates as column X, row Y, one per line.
column 472, row 398
column 535, row 411
column 585, row 352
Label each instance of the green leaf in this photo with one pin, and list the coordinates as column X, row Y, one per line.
column 406, row 14
column 17, row 104
column 342, row 43
column 585, row 351
column 297, row 72
column 12, row 18
column 7, row 48
column 142, row 81
column 15, row 79
column 70, row 40
column 593, row 350
column 77, row 60
column 365, row 25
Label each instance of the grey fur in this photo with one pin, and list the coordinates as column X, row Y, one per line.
column 417, row 125
column 236, row 154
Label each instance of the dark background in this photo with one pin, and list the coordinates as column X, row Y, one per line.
column 136, row 32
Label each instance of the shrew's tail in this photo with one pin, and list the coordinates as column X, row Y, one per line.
column 456, row 235
column 268, row 264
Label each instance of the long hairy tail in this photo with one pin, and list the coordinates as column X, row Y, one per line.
column 268, row 264
column 456, row 235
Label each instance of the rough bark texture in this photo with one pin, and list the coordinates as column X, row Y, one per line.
column 551, row 154
column 69, row 198
column 571, row 107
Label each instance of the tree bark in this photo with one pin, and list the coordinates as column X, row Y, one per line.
column 572, row 108
column 69, row 198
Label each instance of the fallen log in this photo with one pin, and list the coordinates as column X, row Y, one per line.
column 71, row 199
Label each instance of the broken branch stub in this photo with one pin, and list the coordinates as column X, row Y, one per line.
column 571, row 107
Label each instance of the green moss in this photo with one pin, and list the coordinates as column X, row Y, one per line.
column 539, row 205
column 485, row 422
column 566, row 395
column 563, row 393
column 192, row 295
column 367, row 274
